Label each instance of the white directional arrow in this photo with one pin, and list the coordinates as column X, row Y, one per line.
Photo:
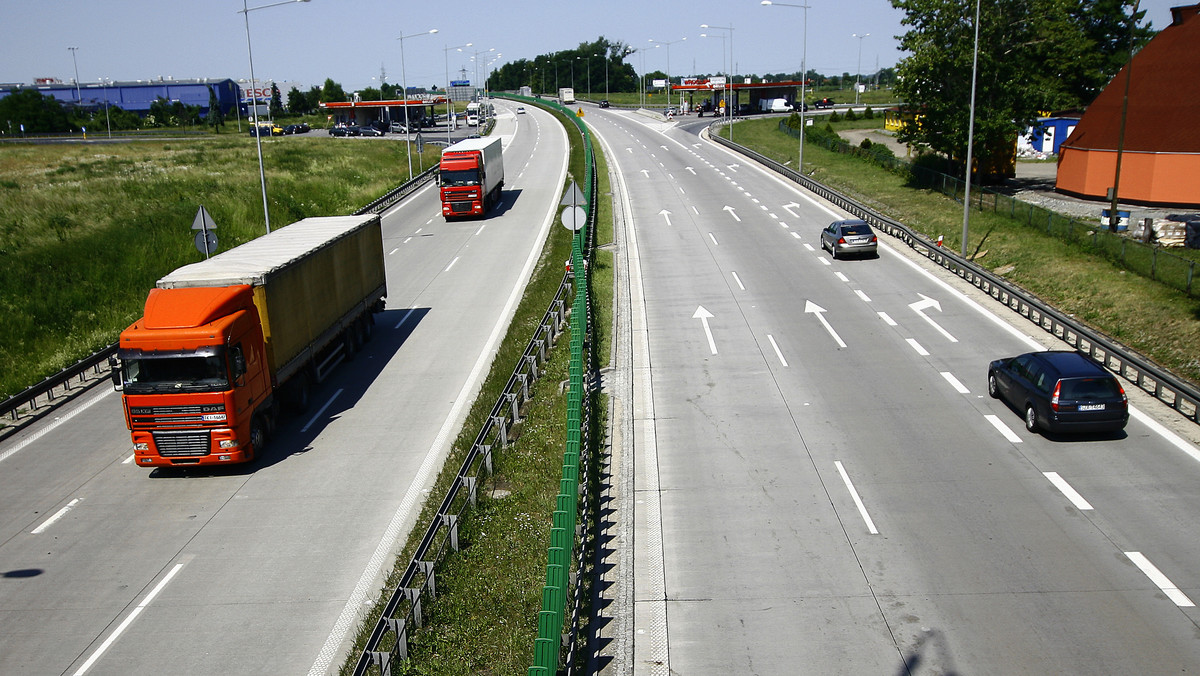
column 691, row 170
column 789, row 209
column 819, row 311
column 664, row 147
column 924, row 304
column 704, row 315
column 732, row 213
column 629, row 150
column 666, row 214
column 646, row 173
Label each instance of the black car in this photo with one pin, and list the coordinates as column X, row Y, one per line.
column 343, row 130
column 604, row 103
column 1060, row 391
column 824, row 103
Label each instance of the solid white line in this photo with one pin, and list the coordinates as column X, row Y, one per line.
column 1066, row 489
column 714, row 239
column 1160, row 580
column 862, row 295
column 962, row 389
column 738, row 280
column 1003, row 429
column 128, row 620
column 917, row 346
column 57, row 422
column 451, row 264
column 57, row 515
column 842, row 276
column 777, row 352
column 887, row 319
column 318, row 414
column 862, row 509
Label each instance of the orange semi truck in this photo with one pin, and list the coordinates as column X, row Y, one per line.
column 224, row 343
column 471, row 175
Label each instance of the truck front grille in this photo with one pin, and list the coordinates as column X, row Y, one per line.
column 175, row 444
column 144, row 417
column 460, row 207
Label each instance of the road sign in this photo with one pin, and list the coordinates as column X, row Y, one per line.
column 574, row 218
column 573, row 196
column 206, row 242
column 203, row 220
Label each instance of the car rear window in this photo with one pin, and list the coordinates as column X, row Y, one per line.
column 856, row 229
column 1090, row 388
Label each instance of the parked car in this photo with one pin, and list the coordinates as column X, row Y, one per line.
column 300, row 128
column 850, row 237
column 1060, row 391
column 369, row 131
column 263, row 129
column 398, row 128
column 605, row 103
column 343, row 130
column 824, row 103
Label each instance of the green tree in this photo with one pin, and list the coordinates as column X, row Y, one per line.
column 332, row 92
column 216, row 118
column 276, row 101
column 1034, row 55
column 40, row 114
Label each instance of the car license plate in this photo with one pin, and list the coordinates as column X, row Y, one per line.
column 1091, row 407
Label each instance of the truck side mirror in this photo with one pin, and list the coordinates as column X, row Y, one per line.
column 114, row 367
column 239, row 363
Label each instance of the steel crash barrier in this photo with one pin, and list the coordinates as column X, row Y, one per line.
column 89, row 370
column 1164, row 386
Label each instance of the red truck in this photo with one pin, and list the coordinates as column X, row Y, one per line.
column 471, row 175
column 225, row 342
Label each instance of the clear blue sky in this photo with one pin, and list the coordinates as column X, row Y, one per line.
column 351, row 40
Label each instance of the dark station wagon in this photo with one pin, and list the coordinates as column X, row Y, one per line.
column 1060, row 392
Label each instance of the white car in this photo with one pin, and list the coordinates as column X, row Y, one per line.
column 520, row 110
column 398, row 128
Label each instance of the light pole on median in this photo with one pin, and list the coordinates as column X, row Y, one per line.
column 78, row 96
column 449, row 110
column 859, row 66
column 724, row 86
column 668, row 46
column 730, row 109
column 803, row 77
column 404, row 86
column 262, row 175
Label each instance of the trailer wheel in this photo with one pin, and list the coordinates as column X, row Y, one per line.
column 298, row 394
column 368, row 325
column 349, row 342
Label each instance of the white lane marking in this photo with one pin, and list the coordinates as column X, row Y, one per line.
column 860, row 294
column 824, row 261
column 1003, row 429
column 781, row 223
column 695, row 210
column 842, row 276
column 862, row 509
column 481, row 228
column 312, row 421
column 887, row 319
column 451, row 264
column 738, row 280
column 1067, row 490
column 714, row 239
column 954, row 382
column 1161, row 581
column 57, row 421
column 128, row 621
column 404, row 318
column 57, row 515
column 797, row 236
column 777, row 352
column 397, row 248
column 128, row 460
column 917, row 346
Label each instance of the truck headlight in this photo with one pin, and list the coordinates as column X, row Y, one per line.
column 228, row 443
column 141, row 446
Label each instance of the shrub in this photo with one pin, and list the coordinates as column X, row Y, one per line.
column 866, row 144
column 851, row 115
column 868, row 114
column 834, row 117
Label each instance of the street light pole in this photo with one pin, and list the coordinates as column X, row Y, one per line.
column 404, row 85
column 262, row 175
column 725, row 86
column 729, row 109
column 859, row 66
column 449, row 109
column 78, row 96
column 668, row 46
column 970, row 135
column 803, row 77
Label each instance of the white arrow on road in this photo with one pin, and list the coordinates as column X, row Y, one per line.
column 924, row 304
column 629, row 149
column 732, row 213
column 789, row 209
column 733, row 167
column 691, row 170
column 646, row 173
column 704, row 315
column 666, row 214
column 819, row 311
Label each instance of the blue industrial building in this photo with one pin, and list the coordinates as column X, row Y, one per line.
column 136, row 96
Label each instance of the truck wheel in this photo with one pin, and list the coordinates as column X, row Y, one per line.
column 349, row 343
column 298, row 393
column 368, row 327
column 258, row 435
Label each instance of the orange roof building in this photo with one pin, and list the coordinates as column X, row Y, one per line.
column 1160, row 159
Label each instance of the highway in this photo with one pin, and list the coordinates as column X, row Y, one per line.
column 106, row 568
column 820, row 482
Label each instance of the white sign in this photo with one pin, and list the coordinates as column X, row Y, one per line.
column 659, row 83
column 717, row 81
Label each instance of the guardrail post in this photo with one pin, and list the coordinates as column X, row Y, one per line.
column 486, row 449
column 450, row 521
column 383, row 661
column 401, row 629
column 427, row 568
column 499, row 422
column 514, row 406
column 471, row 490
column 524, row 378
column 414, row 599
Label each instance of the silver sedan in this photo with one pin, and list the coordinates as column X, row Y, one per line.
column 849, row 237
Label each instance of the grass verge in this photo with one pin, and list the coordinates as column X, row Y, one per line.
column 1145, row 316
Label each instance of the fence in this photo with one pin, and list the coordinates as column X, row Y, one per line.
column 1148, row 260
column 1164, row 386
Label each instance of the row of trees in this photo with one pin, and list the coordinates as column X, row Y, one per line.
column 547, row 72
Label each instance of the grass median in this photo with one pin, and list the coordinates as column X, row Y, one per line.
column 1151, row 319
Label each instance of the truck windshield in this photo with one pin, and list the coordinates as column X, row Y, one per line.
column 460, row 177
column 175, row 373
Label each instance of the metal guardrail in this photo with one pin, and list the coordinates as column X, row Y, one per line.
column 1163, row 385
column 44, row 392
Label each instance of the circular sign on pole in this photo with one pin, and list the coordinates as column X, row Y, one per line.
column 573, row 218
column 206, row 242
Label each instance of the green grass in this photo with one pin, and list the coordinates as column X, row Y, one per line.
column 484, row 620
column 1150, row 318
column 86, row 230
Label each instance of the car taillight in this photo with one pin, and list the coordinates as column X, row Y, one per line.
column 1124, row 399
column 1054, row 398
column 874, row 239
column 841, row 240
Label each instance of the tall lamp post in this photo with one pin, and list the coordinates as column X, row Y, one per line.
column 970, row 134
column 725, row 86
column 668, row 46
column 730, row 110
column 404, row 85
column 858, row 69
column 475, row 58
column 449, row 110
column 262, row 175
column 803, row 76
column 78, row 96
